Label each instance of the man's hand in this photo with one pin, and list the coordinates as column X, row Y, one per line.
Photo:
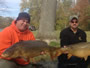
column 66, row 51
column 64, row 46
column 43, row 52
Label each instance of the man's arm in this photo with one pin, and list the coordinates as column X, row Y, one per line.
column 5, row 40
column 84, row 37
column 64, row 40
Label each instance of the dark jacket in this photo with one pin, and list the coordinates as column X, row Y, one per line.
column 67, row 36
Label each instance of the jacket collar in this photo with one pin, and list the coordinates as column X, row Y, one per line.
column 78, row 30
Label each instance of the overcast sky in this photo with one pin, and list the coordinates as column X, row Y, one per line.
column 13, row 8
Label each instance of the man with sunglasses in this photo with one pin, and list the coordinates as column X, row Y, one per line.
column 71, row 35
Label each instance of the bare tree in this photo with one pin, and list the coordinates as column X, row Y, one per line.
column 47, row 19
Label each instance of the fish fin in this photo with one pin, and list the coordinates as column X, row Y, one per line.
column 25, row 59
column 32, row 59
column 69, row 56
column 85, row 58
column 58, row 54
column 52, row 56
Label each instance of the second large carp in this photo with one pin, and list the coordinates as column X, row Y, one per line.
column 81, row 50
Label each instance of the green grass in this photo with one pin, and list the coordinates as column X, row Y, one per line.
column 53, row 43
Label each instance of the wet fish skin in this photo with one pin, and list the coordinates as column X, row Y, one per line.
column 81, row 50
column 30, row 49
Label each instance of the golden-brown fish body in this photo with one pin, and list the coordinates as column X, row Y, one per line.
column 30, row 49
column 81, row 50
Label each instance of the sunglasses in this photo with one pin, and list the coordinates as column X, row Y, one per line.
column 74, row 21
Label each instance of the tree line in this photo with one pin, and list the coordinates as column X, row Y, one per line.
column 5, row 21
column 64, row 9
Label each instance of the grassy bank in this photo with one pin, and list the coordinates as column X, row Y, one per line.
column 58, row 34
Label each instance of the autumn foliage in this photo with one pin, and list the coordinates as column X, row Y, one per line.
column 82, row 9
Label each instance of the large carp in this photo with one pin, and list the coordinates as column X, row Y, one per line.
column 81, row 50
column 30, row 49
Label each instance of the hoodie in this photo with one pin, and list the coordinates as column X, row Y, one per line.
column 11, row 35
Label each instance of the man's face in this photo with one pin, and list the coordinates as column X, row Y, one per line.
column 74, row 24
column 22, row 24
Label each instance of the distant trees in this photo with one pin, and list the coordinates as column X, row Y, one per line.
column 82, row 8
column 63, row 13
column 5, row 21
column 65, row 9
